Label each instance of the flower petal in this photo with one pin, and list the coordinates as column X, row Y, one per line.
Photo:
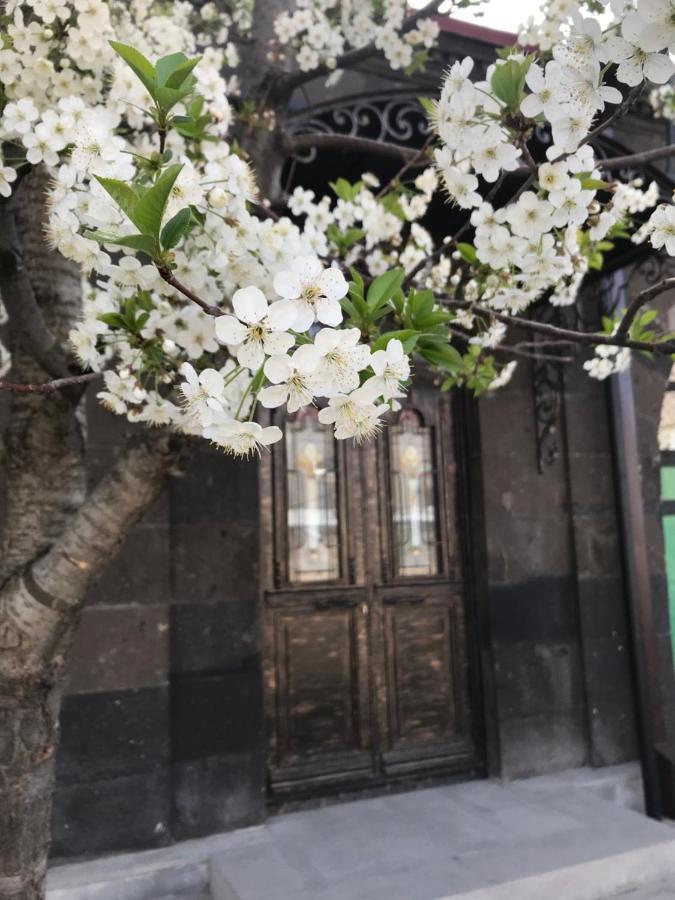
column 273, row 396
column 328, row 311
column 307, row 268
column 287, row 285
column 278, row 342
column 278, row 368
column 306, row 358
column 250, row 304
column 229, row 330
column 282, row 315
column 251, row 354
column 333, row 283
column 658, row 68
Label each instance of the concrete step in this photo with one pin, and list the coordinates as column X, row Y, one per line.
column 662, row 891
column 553, row 838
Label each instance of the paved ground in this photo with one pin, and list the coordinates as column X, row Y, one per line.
column 544, row 839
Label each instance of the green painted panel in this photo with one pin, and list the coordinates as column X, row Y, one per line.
column 669, row 544
column 668, row 482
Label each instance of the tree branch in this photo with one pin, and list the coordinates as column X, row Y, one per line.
column 19, row 299
column 636, row 159
column 638, row 302
column 592, row 339
column 39, row 606
column 169, row 277
column 48, row 387
column 354, row 57
column 301, row 142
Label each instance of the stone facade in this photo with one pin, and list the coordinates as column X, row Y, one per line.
column 162, row 723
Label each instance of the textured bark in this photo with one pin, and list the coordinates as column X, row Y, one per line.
column 55, row 540
column 267, row 85
column 44, row 436
column 39, row 608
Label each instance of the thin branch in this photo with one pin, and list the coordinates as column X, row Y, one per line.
column 170, row 278
column 49, row 387
column 354, row 57
column 665, row 348
column 409, row 164
column 621, row 110
column 641, row 300
column 301, row 142
column 636, row 159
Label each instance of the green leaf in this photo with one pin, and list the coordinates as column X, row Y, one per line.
column 113, row 319
column 444, row 357
column 593, row 184
column 407, row 336
column 180, row 73
column 166, row 66
column 152, row 205
column 176, row 228
column 468, row 253
column 124, row 196
column 508, row 82
column 428, row 105
column 143, row 242
column 139, row 65
column 384, row 287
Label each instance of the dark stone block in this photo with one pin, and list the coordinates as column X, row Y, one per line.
column 540, row 610
column 215, row 561
column 598, row 545
column 602, row 607
column 216, row 715
column 660, row 603
column 139, row 572
column 534, row 745
column 214, row 488
column 211, row 636
column 217, row 794
column 126, row 813
column 611, row 702
column 592, row 483
column 537, row 679
column 118, row 648
column 111, row 735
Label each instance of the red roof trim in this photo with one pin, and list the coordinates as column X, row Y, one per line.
column 477, row 32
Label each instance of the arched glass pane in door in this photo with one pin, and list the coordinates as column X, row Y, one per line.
column 313, row 550
column 415, row 518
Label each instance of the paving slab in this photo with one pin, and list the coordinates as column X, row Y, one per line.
column 551, row 838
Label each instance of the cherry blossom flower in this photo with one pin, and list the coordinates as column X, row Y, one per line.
column 256, row 329
column 313, row 292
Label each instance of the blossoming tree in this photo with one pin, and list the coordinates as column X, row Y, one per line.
column 147, row 249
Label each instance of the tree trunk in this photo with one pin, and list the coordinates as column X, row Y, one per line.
column 28, row 740
column 39, row 611
column 55, row 540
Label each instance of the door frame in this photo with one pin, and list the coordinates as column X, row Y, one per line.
column 473, row 560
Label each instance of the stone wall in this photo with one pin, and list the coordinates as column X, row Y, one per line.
column 161, row 724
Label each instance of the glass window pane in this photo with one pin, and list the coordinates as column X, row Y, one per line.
column 668, row 482
column 312, row 500
column 413, row 497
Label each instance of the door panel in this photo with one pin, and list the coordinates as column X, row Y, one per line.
column 425, row 675
column 319, row 678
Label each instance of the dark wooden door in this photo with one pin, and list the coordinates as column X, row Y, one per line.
column 366, row 645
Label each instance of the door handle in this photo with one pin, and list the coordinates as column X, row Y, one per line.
column 395, row 601
column 336, row 602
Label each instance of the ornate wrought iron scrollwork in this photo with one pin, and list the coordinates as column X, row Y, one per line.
column 393, row 117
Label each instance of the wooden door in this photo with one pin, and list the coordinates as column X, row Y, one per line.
column 366, row 659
